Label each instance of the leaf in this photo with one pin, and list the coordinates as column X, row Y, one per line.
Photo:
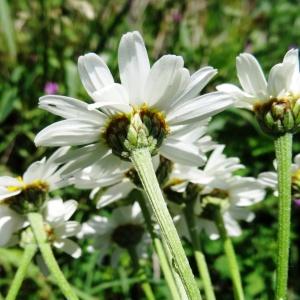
column 8, row 28
column 7, row 102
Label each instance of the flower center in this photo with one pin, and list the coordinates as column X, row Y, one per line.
column 127, row 235
column 143, row 128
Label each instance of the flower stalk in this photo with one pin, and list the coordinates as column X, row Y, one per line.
column 141, row 160
column 198, row 253
column 159, row 249
column 37, row 225
column 231, row 257
column 28, row 254
column 283, row 150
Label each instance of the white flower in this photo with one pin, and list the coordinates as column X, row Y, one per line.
column 42, row 175
column 59, row 229
column 117, row 174
column 217, row 168
column 122, row 230
column 283, row 80
column 239, row 193
column 219, row 189
column 164, row 96
column 10, row 224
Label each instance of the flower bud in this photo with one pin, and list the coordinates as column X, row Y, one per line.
column 279, row 116
column 144, row 128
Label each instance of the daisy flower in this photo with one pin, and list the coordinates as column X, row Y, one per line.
column 59, row 229
column 29, row 191
column 276, row 101
column 159, row 101
column 233, row 199
column 120, row 177
column 213, row 187
column 124, row 229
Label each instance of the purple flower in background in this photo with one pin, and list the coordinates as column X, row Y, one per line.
column 297, row 203
column 177, row 16
column 51, row 88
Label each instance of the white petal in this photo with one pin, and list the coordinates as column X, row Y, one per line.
column 68, row 229
column 197, row 82
column 242, row 99
column 10, row 222
column 69, row 247
column 136, row 211
column 68, row 133
column 241, row 213
column 251, row 75
column 115, row 193
column 232, row 227
column 112, row 96
column 70, row 207
column 133, row 65
column 280, row 78
column 5, row 193
column 200, row 108
column 210, row 229
column 54, row 211
column 35, row 171
column 183, row 153
column 9, row 181
column 70, row 108
column 268, row 179
column 94, row 73
column 163, row 81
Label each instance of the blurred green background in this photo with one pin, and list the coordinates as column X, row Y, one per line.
column 40, row 42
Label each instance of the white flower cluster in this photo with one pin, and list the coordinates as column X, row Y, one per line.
column 40, row 178
column 158, row 107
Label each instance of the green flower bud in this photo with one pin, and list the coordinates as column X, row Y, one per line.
column 144, row 128
column 279, row 116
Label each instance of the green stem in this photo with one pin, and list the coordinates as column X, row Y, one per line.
column 159, row 251
column 198, row 253
column 283, row 150
column 181, row 289
column 37, row 225
column 146, row 287
column 231, row 257
column 28, row 254
column 142, row 162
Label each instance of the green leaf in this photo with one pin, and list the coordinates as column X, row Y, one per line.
column 8, row 28
column 7, row 102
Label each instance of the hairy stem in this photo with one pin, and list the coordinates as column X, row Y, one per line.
column 142, row 162
column 198, row 253
column 37, row 225
column 15, row 286
column 159, row 251
column 231, row 257
column 283, row 150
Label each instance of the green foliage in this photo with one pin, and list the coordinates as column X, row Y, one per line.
column 40, row 42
